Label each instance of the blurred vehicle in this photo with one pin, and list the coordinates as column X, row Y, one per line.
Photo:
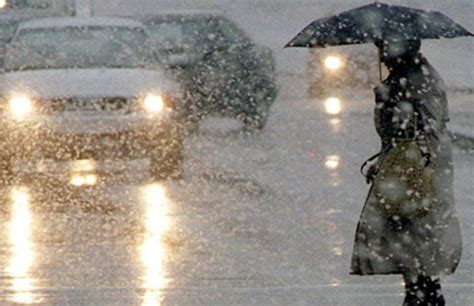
column 79, row 88
column 342, row 69
column 224, row 72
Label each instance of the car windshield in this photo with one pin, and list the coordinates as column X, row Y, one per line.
column 78, row 47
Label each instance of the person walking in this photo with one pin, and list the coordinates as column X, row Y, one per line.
column 408, row 225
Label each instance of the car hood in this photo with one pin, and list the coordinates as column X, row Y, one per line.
column 86, row 83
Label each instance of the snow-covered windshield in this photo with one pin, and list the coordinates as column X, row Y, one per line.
column 79, row 47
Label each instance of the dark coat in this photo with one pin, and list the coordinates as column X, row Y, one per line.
column 430, row 244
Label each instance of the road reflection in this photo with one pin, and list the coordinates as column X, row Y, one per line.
column 333, row 106
column 83, row 173
column 153, row 251
column 22, row 251
column 333, row 164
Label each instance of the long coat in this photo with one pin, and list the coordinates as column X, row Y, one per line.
column 429, row 244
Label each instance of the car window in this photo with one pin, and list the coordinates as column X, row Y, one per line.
column 181, row 33
column 202, row 33
column 229, row 34
column 74, row 47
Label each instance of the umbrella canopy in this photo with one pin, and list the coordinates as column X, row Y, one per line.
column 377, row 22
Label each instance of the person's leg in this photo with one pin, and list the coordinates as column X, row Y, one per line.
column 422, row 291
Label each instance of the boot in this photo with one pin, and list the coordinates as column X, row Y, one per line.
column 434, row 297
column 415, row 293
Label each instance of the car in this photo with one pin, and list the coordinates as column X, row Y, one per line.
column 224, row 71
column 342, row 68
column 88, row 88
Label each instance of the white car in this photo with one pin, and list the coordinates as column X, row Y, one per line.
column 79, row 88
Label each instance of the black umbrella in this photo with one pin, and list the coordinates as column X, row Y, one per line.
column 377, row 22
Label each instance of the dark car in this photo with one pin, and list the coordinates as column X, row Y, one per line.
column 225, row 73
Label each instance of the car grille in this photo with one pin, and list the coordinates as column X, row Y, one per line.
column 113, row 104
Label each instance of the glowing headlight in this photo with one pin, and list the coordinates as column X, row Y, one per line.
column 3, row 4
column 20, row 106
column 333, row 63
column 154, row 103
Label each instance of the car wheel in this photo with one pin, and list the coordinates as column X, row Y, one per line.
column 168, row 163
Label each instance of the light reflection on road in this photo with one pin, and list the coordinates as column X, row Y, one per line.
column 333, row 164
column 333, row 106
column 83, row 173
column 83, row 179
column 336, row 124
column 22, row 252
column 153, row 250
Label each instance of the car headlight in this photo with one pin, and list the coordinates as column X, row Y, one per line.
column 333, row 63
column 154, row 103
column 20, row 106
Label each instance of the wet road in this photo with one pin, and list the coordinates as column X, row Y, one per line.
column 263, row 219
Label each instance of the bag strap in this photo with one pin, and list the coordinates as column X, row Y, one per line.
column 372, row 158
